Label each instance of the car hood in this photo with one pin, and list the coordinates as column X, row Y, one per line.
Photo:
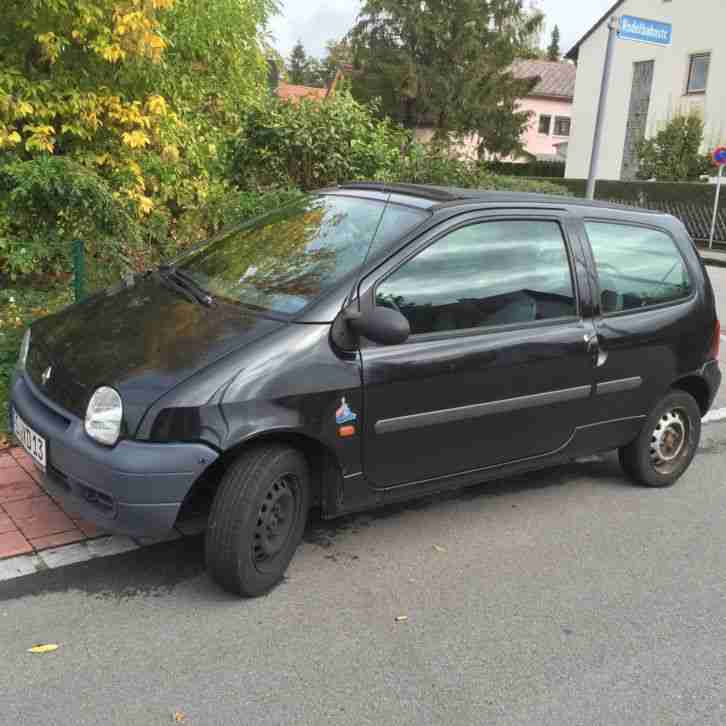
column 140, row 337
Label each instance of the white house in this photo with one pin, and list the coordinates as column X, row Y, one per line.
column 649, row 83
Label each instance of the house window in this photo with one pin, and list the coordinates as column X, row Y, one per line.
column 698, row 72
column 544, row 125
column 562, row 126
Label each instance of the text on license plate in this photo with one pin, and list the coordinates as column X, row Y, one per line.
column 32, row 442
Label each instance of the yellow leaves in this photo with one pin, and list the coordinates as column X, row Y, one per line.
column 170, row 153
column 51, row 45
column 23, row 109
column 46, row 648
column 135, row 139
column 145, row 204
column 112, row 53
column 8, row 138
column 156, row 105
column 42, row 138
column 162, row 4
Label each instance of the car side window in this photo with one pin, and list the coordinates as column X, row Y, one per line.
column 636, row 267
column 486, row 274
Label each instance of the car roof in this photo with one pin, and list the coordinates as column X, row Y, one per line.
column 440, row 197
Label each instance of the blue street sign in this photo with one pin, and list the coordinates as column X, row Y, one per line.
column 645, row 31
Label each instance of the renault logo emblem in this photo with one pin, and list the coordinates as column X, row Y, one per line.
column 47, row 373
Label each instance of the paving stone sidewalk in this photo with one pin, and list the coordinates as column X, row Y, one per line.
column 31, row 520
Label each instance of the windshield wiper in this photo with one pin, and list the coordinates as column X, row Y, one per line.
column 187, row 284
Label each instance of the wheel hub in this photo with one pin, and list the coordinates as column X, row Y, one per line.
column 669, row 439
column 274, row 520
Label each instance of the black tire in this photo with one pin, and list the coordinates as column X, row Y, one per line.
column 266, row 491
column 667, row 443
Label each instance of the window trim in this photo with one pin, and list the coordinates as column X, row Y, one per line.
column 567, row 240
column 549, row 124
column 692, row 58
column 569, row 129
column 596, row 278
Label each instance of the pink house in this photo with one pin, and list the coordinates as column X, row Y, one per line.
column 550, row 102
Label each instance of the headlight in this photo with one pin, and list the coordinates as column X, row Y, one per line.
column 24, row 349
column 104, row 415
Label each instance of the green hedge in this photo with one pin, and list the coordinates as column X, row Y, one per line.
column 541, row 169
column 691, row 202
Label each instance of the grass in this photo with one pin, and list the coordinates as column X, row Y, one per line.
column 19, row 306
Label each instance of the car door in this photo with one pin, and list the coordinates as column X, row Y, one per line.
column 647, row 322
column 497, row 368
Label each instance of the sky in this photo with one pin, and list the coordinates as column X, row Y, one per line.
column 316, row 21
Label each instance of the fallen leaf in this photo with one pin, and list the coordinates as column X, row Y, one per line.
column 46, row 648
column 439, row 548
column 179, row 717
column 401, row 618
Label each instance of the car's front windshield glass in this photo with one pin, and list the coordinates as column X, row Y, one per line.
column 287, row 259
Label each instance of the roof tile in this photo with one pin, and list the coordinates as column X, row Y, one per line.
column 556, row 78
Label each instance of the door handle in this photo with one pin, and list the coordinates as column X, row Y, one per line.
column 595, row 349
column 592, row 343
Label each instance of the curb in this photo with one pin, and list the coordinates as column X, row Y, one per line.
column 713, row 261
column 91, row 549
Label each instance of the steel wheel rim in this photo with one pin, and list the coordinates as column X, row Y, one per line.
column 669, row 441
column 275, row 520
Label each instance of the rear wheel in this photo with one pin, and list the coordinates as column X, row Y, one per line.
column 257, row 519
column 667, row 444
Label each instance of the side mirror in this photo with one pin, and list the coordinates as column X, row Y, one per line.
column 381, row 325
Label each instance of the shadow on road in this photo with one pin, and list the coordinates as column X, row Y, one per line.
column 156, row 570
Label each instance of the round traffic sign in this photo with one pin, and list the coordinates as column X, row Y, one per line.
column 719, row 156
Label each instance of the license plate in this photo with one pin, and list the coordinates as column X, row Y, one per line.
column 31, row 441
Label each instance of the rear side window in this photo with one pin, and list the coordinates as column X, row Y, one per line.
column 636, row 267
column 484, row 275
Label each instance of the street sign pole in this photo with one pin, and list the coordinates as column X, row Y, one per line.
column 602, row 106
column 715, row 207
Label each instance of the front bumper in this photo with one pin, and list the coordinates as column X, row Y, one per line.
column 133, row 488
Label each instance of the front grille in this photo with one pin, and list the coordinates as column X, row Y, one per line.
column 60, row 388
column 98, row 499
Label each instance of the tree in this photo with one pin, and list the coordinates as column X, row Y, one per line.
column 298, row 65
column 138, row 92
column 553, row 50
column 674, row 153
column 446, row 64
column 338, row 54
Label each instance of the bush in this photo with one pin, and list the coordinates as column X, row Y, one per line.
column 540, row 169
column 674, row 153
column 313, row 144
column 48, row 202
column 426, row 165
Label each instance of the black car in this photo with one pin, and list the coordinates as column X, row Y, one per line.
column 366, row 345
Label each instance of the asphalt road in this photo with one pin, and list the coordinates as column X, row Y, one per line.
column 566, row 597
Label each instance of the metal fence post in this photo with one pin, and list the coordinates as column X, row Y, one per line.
column 79, row 269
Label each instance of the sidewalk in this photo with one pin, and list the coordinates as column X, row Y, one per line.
column 715, row 256
column 31, row 521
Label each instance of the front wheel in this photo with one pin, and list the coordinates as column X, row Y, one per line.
column 667, row 443
column 257, row 519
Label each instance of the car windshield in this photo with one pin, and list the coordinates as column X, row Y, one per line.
column 285, row 260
